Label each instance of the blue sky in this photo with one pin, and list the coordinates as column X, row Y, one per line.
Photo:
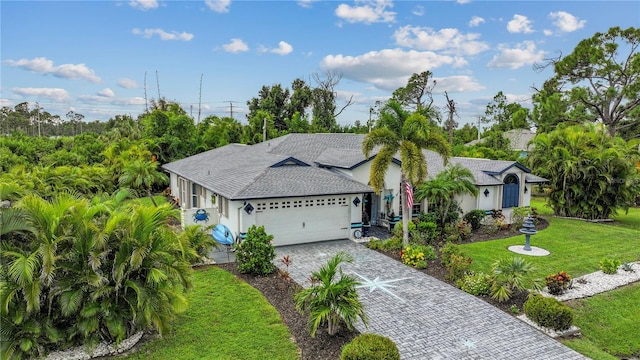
column 91, row 56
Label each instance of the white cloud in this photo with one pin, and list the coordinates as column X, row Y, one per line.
column 459, row 83
column 236, row 45
column 42, row 65
column 448, row 40
column 219, row 6
column 387, row 69
column 476, row 21
column 306, row 3
column 55, row 94
column 144, row 4
column 6, row 102
column 174, row 35
column 106, row 93
column 523, row 54
column 283, row 48
column 418, row 10
column 98, row 99
column 367, row 11
column 127, row 83
column 463, row 1
column 547, row 32
column 566, row 22
column 519, row 24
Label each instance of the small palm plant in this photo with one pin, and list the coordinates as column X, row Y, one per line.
column 330, row 298
column 510, row 275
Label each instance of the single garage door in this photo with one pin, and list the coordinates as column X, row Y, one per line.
column 296, row 221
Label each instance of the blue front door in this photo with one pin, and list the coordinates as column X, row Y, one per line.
column 510, row 191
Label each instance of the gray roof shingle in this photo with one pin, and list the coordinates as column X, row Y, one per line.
column 246, row 172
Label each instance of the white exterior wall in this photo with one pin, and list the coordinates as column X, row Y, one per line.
column 490, row 202
column 526, row 196
column 467, row 202
column 391, row 183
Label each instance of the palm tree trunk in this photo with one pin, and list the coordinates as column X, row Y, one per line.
column 406, row 212
column 151, row 196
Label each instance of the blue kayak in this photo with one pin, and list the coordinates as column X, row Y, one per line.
column 222, row 234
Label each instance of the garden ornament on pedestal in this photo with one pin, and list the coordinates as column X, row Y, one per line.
column 528, row 229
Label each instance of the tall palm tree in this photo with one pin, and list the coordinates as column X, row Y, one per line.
column 142, row 174
column 399, row 131
column 441, row 191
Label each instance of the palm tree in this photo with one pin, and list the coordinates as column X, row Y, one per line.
column 330, row 299
column 408, row 134
column 142, row 174
column 452, row 181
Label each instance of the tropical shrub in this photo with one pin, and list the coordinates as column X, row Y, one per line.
column 458, row 266
column 374, row 244
column 474, row 217
column 392, row 244
column 426, row 233
column 548, row 312
column 417, row 255
column 464, row 229
column 370, row 347
column 448, row 250
column 509, row 275
column 331, row 297
column 255, row 254
column 558, row 283
column 77, row 272
column 196, row 243
column 609, row 266
column 518, row 215
column 592, row 174
column 397, row 230
column 475, row 284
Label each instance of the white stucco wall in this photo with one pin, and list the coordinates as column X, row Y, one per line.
column 391, row 183
column 489, row 202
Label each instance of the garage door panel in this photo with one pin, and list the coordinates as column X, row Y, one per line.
column 301, row 224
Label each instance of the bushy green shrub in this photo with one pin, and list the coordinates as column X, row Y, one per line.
column 448, row 250
column 475, row 284
column 548, row 312
column 518, row 215
column 609, row 266
column 395, row 243
column 374, row 244
column 426, row 233
column 256, row 253
column 370, row 347
column 417, row 255
column 397, row 229
column 474, row 217
column 458, row 266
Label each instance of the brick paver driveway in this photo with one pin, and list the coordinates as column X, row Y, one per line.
column 425, row 317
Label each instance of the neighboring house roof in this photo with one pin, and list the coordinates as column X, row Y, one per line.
column 518, row 139
column 301, row 165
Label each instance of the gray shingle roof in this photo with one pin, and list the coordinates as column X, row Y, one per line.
column 246, row 172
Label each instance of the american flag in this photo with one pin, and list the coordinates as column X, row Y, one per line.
column 409, row 195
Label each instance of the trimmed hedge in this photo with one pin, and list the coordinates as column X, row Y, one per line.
column 548, row 312
column 370, row 347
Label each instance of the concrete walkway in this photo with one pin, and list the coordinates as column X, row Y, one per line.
column 425, row 317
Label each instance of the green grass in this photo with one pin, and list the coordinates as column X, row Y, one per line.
column 576, row 247
column 146, row 201
column 227, row 319
column 630, row 220
column 609, row 323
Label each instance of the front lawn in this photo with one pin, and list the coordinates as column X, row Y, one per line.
column 226, row 319
column 609, row 323
column 576, row 247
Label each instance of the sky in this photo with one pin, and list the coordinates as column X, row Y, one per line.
column 103, row 58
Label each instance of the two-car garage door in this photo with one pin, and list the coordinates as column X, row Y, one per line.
column 295, row 221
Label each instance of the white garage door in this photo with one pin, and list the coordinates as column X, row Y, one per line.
column 305, row 220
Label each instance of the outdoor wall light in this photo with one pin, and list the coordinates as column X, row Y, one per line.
column 525, row 189
column 486, row 192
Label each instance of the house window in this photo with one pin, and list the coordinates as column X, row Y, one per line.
column 183, row 192
column 223, row 206
column 194, row 195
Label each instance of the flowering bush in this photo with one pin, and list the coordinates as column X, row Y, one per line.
column 475, row 284
column 558, row 283
column 417, row 255
column 464, row 229
column 458, row 266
